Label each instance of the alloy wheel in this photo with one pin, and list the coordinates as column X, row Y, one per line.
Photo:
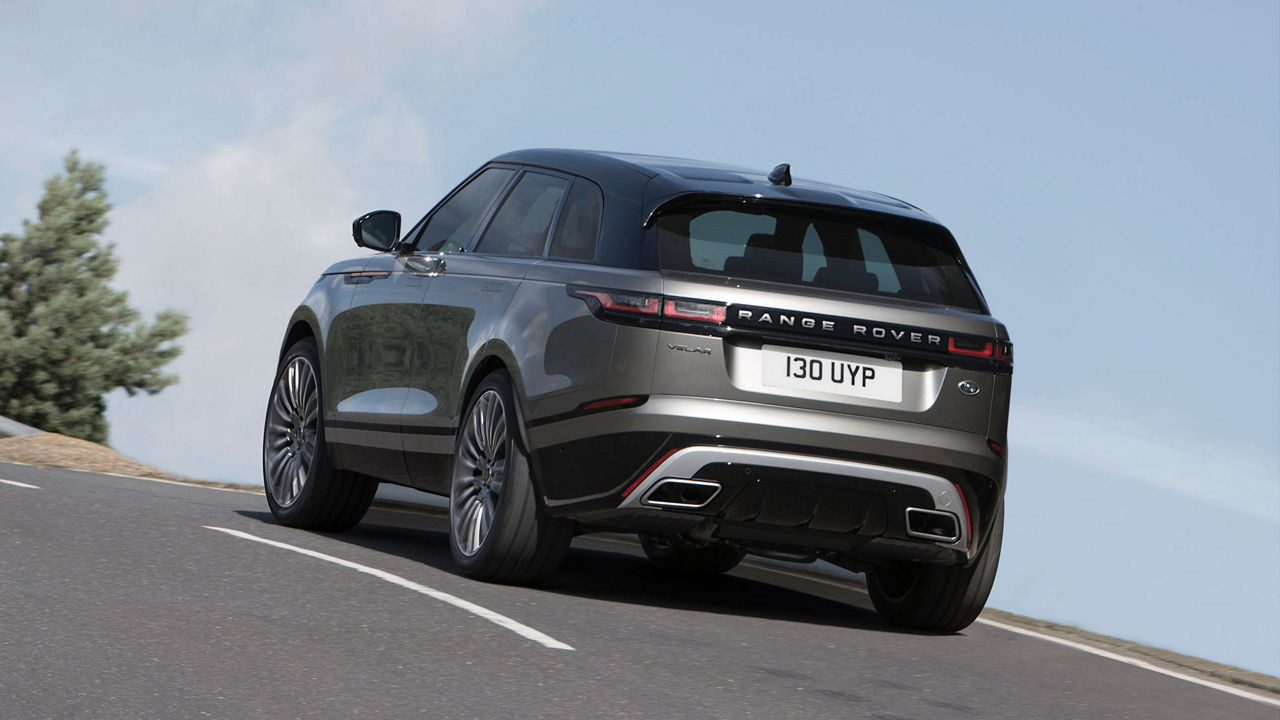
column 479, row 472
column 292, row 431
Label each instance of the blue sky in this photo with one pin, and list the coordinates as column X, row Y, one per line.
column 1112, row 171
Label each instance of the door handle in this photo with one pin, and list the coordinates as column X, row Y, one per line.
column 430, row 266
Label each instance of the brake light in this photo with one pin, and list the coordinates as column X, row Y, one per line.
column 694, row 310
column 972, row 348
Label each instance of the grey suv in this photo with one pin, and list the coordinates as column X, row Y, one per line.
column 721, row 360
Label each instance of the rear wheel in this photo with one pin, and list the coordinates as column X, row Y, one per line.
column 304, row 490
column 685, row 555
column 497, row 531
column 935, row 598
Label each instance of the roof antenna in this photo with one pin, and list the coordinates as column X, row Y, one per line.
column 781, row 175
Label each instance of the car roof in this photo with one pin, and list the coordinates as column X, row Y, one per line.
column 660, row 179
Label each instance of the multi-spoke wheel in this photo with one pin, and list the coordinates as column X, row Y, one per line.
column 292, row 427
column 496, row 529
column 303, row 488
column 479, row 471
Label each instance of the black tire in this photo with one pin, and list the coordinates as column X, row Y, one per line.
column 933, row 598
column 497, row 530
column 677, row 553
column 304, row 490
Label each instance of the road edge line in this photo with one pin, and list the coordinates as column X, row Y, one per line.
column 480, row 611
column 1132, row 661
column 15, row 483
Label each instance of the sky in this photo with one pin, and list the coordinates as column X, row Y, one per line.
column 1111, row 170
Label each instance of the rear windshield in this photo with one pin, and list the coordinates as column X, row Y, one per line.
column 837, row 252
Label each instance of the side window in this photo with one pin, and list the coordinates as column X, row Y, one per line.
column 520, row 226
column 579, row 224
column 452, row 224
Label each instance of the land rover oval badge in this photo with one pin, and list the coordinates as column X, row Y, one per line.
column 969, row 387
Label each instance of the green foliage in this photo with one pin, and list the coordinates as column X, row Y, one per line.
column 67, row 338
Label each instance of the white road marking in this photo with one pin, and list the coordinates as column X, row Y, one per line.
column 250, row 489
column 536, row 636
column 1230, row 690
column 501, row 620
column 1135, row 662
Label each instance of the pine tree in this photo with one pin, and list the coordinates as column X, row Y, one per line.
column 67, row 338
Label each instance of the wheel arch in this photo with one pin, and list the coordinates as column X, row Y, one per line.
column 302, row 324
column 496, row 355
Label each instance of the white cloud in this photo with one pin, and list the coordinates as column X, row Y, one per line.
column 236, row 236
column 1158, row 452
column 235, row 241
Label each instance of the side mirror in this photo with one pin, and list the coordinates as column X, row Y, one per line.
column 377, row 230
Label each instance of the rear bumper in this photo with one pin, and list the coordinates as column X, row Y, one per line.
column 749, row 480
column 784, row 477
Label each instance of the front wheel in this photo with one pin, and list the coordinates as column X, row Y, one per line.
column 304, row 490
column 497, row 531
column 937, row 598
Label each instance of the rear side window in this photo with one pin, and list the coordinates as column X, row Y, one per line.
column 854, row 253
column 521, row 225
column 453, row 222
column 579, row 224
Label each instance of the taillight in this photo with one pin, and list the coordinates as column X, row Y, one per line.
column 613, row 301
column 1004, row 352
column 644, row 309
column 969, row 346
column 694, row 310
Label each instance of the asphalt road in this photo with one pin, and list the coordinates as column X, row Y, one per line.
column 118, row 600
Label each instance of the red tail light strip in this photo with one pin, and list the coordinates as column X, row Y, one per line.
column 968, row 524
column 646, row 473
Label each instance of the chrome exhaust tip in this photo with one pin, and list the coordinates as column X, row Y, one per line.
column 683, row 494
column 935, row 525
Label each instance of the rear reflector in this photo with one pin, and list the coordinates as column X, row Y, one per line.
column 614, row 403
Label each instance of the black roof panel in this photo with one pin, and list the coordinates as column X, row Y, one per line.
column 657, row 179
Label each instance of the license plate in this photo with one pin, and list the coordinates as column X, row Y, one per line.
column 817, row 371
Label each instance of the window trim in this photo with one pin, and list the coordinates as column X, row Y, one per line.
column 485, row 220
column 407, row 245
column 546, row 250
